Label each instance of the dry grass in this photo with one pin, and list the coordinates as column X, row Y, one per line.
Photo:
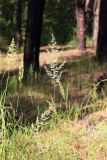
column 12, row 61
column 69, row 140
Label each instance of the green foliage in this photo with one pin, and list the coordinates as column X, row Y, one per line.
column 60, row 20
column 7, row 23
column 3, row 44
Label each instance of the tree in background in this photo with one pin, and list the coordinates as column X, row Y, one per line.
column 96, row 11
column 60, row 18
column 18, row 23
column 33, row 35
column 102, row 33
column 81, row 23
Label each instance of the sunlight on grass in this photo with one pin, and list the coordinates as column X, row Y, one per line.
column 67, row 141
column 75, row 130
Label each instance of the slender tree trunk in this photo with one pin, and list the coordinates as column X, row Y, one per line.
column 96, row 11
column 18, row 23
column 81, row 24
column 33, row 35
column 102, row 33
column 87, row 4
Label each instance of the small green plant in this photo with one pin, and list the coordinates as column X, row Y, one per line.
column 93, row 95
column 41, row 121
column 12, row 48
column 54, row 70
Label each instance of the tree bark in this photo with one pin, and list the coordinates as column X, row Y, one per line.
column 33, row 35
column 87, row 4
column 102, row 33
column 81, row 22
column 96, row 11
column 18, row 36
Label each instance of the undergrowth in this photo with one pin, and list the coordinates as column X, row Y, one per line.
column 57, row 133
column 62, row 129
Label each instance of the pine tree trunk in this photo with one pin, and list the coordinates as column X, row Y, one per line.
column 33, row 35
column 18, row 23
column 81, row 24
column 102, row 33
column 96, row 22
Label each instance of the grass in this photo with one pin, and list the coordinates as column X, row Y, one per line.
column 68, row 140
column 77, row 129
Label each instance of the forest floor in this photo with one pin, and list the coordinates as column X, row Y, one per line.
column 13, row 61
column 78, row 128
column 78, row 74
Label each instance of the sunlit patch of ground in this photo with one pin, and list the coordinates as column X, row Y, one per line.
column 13, row 61
column 75, row 74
